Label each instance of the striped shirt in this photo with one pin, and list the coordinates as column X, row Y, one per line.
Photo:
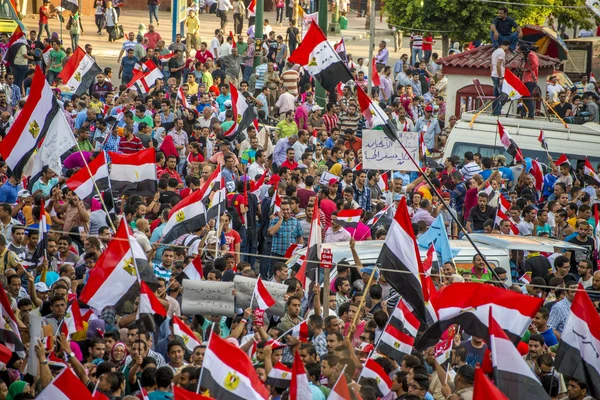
column 261, row 72
column 417, row 41
column 161, row 272
column 130, row 146
column 290, row 81
column 470, row 169
column 347, row 121
column 330, row 121
column 128, row 45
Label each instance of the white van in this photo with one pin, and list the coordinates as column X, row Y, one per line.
column 577, row 142
column 495, row 247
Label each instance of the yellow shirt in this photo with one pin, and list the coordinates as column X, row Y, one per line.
column 207, row 79
column 572, row 222
column 193, row 88
column 97, row 106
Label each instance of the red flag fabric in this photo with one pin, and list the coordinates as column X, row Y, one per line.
column 484, row 389
column 262, row 295
column 376, row 80
column 299, row 389
column 149, row 304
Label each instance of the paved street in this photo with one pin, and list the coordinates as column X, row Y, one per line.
column 357, row 40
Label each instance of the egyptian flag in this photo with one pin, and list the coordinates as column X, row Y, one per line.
column 9, row 331
column 484, row 389
column 31, row 125
column 275, row 203
column 375, row 115
column 509, row 144
column 502, row 215
column 383, row 182
column 16, row 41
column 590, row 172
column 80, row 71
column 213, row 183
column 252, row 8
column 403, row 319
column 376, row 80
column 218, row 202
column 149, row 304
column 280, row 376
column 299, row 331
column 40, row 248
column 542, row 140
column 229, row 374
column 349, row 218
column 395, row 343
column 82, row 183
column 233, row 44
column 339, row 90
column 577, row 354
column 165, row 58
column 255, row 186
column 592, row 77
column 262, row 295
column 193, row 271
column 189, row 215
column 357, row 167
column 526, row 278
column 513, row 87
column 145, row 79
column 115, row 272
column 468, row 304
column 72, row 322
column 512, row 375
column 133, row 174
column 340, row 390
column 320, row 59
column 243, row 114
column 71, row 5
column 185, row 333
column 5, row 355
column 308, row 272
column 400, row 252
column 536, row 171
column 373, row 370
column 299, row 389
column 182, row 99
column 563, row 159
column 340, row 49
column 66, row 386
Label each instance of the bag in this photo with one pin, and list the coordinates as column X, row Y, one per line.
column 236, row 221
column 119, row 33
column 69, row 24
column 218, row 13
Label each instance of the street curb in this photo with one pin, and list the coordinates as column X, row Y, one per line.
column 360, row 36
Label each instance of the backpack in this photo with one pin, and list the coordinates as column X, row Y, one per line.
column 236, row 220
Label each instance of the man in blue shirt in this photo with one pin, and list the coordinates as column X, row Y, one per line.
column 10, row 190
column 127, row 65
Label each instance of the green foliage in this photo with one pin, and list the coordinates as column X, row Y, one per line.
column 467, row 20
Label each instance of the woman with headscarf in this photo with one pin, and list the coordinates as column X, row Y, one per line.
column 168, row 147
column 18, row 387
column 118, row 354
column 336, row 169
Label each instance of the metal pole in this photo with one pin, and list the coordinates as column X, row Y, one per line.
column 258, row 31
column 320, row 91
column 371, row 45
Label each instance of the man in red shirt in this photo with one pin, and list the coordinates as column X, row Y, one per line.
column 352, row 142
column 129, row 142
column 427, row 47
column 44, row 15
column 290, row 160
column 530, row 77
column 152, row 36
column 232, row 238
column 171, row 169
column 203, row 54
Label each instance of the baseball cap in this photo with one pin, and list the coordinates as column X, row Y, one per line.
column 24, row 193
column 316, row 107
column 333, row 181
column 227, row 103
column 41, row 287
column 445, row 195
column 428, row 109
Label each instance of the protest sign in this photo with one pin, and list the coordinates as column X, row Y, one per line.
column 208, row 298
column 379, row 152
column 244, row 287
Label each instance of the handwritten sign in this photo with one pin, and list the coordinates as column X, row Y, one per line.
column 208, row 298
column 244, row 287
column 379, row 152
column 326, row 176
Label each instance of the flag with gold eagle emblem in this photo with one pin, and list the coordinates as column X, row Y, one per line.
column 280, row 376
column 185, row 333
column 133, row 174
column 115, row 271
column 80, row 71
column 513, row 87
column 187, row 216
column 228, row 373
column 394, row 343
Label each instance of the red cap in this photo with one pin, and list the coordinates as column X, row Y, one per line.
column 333, row 181
column 429, row 108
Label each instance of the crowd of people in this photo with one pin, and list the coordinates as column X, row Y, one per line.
column 295, row 144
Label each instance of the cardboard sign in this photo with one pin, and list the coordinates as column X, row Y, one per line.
column 379, row 152
column 208, row 298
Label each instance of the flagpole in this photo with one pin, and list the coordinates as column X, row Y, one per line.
column 218, row 227
column 362, row 302
column 554, row 112
column 454, row 218
column 95, row 185
column 212, row 332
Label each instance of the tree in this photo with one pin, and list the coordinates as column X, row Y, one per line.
column 459, row 20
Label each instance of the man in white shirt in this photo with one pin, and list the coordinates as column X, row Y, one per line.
column 215, row 44
column 226, row 47
column 497, row 66
column 256, row 168
column 553, row 89
column 337, row 233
